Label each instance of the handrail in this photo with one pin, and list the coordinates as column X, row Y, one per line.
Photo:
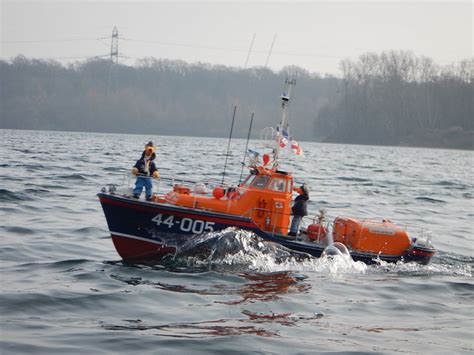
column 128, row 180
column 211, row 182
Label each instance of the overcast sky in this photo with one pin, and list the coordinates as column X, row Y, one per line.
column 314, row 35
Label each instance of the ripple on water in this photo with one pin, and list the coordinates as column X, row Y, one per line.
column 11, row 196
column 75, row 176
column 18, row 230
column 429, row 199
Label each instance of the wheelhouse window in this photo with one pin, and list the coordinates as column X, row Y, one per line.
column 248, row 181
column 260, row 181
column 267, row 182
column 278, row 184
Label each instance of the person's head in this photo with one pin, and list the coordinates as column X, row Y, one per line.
column 149, row 149
column 305, row 189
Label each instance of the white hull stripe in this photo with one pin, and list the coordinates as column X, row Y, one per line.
column 135, row 237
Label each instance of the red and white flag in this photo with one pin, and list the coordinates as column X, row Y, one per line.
column 295, row 147
column 282, row 137
column 283, row 142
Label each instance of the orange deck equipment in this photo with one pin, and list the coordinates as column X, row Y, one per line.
column 378, row 237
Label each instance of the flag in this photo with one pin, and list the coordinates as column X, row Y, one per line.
column 282, row 137
column 253, row 153
column 295, row 147
column 253, row 157
column 283, row 142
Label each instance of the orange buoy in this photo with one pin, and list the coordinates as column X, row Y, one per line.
column 316, row 231
column 218, row 192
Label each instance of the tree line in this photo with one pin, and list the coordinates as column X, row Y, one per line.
column 396, row 98
column 393, row 98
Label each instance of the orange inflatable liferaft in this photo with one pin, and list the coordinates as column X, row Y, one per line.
column 370, row 236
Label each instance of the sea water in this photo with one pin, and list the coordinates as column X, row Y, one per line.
column 64, row 289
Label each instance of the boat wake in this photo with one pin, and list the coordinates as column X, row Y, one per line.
column 443, row 265
column 234, row 249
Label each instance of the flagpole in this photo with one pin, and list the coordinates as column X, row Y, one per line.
column 246, row 147
column 228, row 144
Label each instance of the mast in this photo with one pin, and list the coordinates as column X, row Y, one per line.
column 228, row 144
column 285, row 99
column 246, row 148
column 282, row 135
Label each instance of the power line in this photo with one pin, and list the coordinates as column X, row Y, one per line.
column 50, row 40
column 113, row 54
column 70, row 57
column 132, row 41
column 171, row 44
column 197, row 46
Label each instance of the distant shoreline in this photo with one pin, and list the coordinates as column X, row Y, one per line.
column 243, row 138
column 394, row 98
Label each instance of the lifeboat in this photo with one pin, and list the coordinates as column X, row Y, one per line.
column 146, row 230
column 151, row 230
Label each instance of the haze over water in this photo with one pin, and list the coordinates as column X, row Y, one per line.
column 64, row 289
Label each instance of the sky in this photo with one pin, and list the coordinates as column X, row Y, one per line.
column 314, row 35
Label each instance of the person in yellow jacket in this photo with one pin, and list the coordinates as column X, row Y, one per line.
column 145, row 169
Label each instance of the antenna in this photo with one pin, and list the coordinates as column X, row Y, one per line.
column 270, row 51
column 246, row 148
column 285, row 98
column 228, row 144
column 250, row 50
